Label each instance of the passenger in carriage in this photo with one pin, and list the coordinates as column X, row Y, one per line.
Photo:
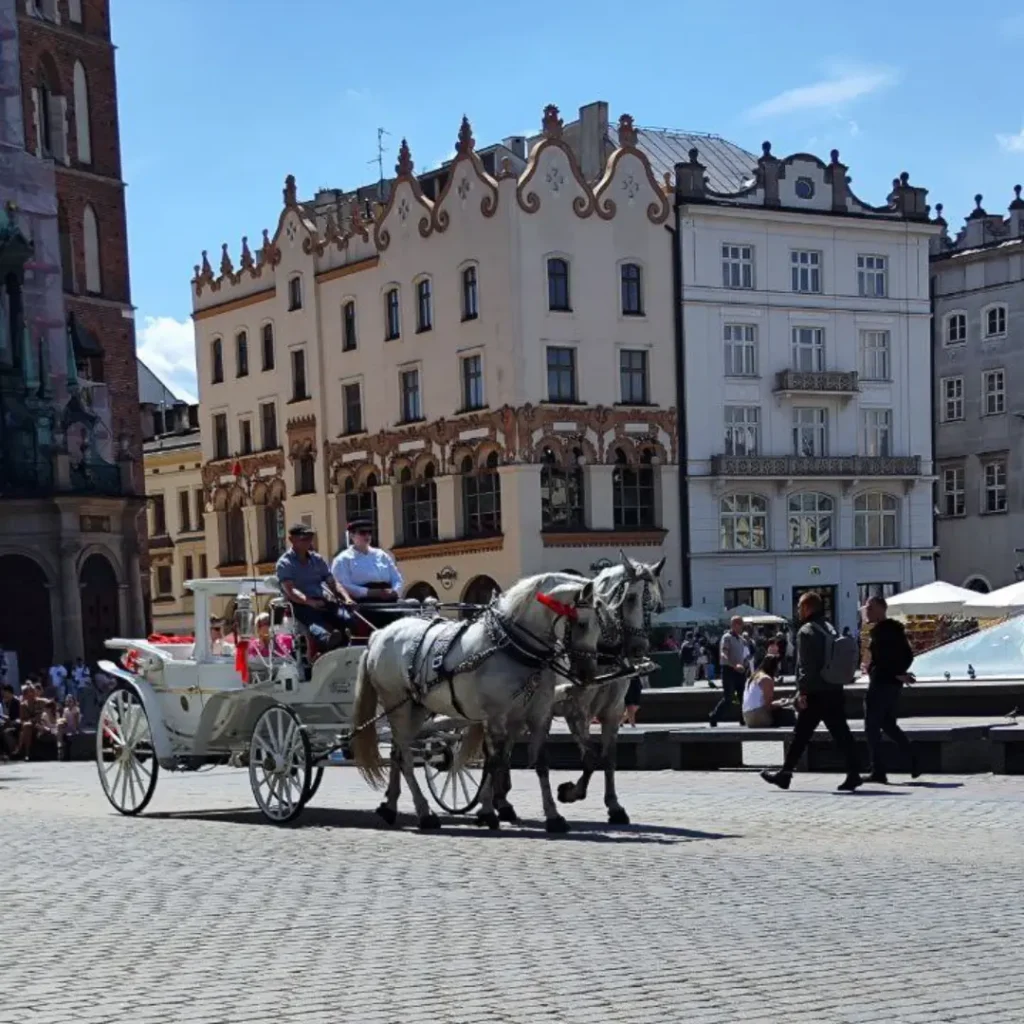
column 303, row 575
column 260, row 644
column 369, row 574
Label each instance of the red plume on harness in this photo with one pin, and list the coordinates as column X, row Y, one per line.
column 242, row 659
column 559, row 607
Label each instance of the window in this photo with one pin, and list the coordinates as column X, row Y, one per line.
column 805, row 267
column 189, row 568
column 955, row 332
column 558, row 285
column 221, row 449
column 875, row 520
column 809, row 349
column 472, row 382
column 233, row 537
column 811, row 522
column 83, row 131
column 200, row 511
column 742, row 430
column 740, row 350
column 874, row 355
column 481, row 497
column 245, row 436
column 392, row 315
column 91, row 241
column 753, row 597
column 164, row 580
column 737, row 266
column 273, row 531
column 470, row 295
column 865, row 591
column 412, row 408
column 419, row 507
column 348, row 326
column 633, row 376
column 216, row 361
column 561, row 491
column 67, row 259
column 876, row 431
column 202, row 567
column 871, row 277
column 268, row 425
column 952, row 398
column 242, row 354
column 810, row 432
column 51, row 112
column 743, row 522
column 632, row 290
column 561, row 374
column 995, row 487
column 954, row 492
column 268, row 346
column 995, row 321
column 299, row 391
column 632, row 492
column 993, row 388
column 352, row 403
column 294, row 294
column 305, row 474
column 75, row 11
column 159, row 516
column 184, row 512
column 424, row 307
column 361, row 502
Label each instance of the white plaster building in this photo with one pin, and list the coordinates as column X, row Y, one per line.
column 807, row 439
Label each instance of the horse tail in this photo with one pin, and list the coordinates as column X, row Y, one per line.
column 365, row 744
column 472, row 744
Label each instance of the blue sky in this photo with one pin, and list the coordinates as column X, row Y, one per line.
column 220, row 99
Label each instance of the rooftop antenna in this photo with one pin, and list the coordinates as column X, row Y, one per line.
column 379, row 161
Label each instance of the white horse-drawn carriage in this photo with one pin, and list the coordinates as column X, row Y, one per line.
column 187, row 706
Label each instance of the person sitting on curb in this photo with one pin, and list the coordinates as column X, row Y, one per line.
column 760, row 709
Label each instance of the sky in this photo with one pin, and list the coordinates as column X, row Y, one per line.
column 220, row 99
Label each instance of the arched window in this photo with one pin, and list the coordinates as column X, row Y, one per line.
column 481, row 497
column 424, row 305
column 305, row 474
column 361, row 502
column 875, row 520
column 955, row 330
column 348, row 326
column 274, row 539
column 50, row 110
column 811, row 520
column 67, row 256
column 561, row 492
column 83, row 131
column 242, row 354
column 420, row 592
column 558, row 284
column 743, row 522
column 419, row 507
column 268, row 346
column 632, row 492
column 470, row 294
column 216, row 361
column 632, row 290
column 993, row 321
column 392, row 315
column 294, row 293
column 233, row 537
column 91, row 241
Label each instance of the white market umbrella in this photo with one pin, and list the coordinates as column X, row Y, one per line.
column 683, row 617
column 754, row 616
column 938, row 598
column 1005, row 601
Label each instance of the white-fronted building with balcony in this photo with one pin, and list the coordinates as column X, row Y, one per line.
column 806, row 336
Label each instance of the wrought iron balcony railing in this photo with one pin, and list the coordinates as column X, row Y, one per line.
column 829, row 382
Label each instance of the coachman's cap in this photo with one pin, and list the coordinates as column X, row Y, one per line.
column 300, row 530
column 360, row 526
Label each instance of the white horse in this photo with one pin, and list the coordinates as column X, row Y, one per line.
column 496, row 669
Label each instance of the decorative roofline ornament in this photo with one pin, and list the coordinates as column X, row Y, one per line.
column 551, row 123
column 227, row 268
column 465, row 143
column 290, row 191
column 627, row 131
column 404, row 167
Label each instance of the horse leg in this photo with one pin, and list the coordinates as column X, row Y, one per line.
column 493, row 782
column 554, row 822
column 579, row 726
column 503, row 785
column 388, row 810
column 609, row 748
column 406, row 723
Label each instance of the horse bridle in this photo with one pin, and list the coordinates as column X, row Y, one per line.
column 615, row 630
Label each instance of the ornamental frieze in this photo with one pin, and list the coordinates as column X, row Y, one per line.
column 789, row 466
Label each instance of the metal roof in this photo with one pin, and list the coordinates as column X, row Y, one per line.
column 728, row 166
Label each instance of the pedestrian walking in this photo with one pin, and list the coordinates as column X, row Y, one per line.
column 888, row 670
column 825, row 663
column 688, row 660
column 732, row 655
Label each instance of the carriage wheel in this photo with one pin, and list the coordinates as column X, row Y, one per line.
column 124, row 752
column 279, row 765
column 455, row 790
column 316, row 777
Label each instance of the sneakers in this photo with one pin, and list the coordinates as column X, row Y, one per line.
column 850, row 783
column 781, row 779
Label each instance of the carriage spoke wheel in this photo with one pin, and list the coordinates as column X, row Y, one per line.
column 315, row 778
column 279, row 765
column 454, row 789
column 124, row 752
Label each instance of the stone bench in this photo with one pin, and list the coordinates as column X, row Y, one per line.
column 1007, row 743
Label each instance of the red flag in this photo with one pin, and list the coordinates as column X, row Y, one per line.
column 242, row 659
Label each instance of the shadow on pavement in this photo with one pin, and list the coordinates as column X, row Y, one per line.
column 931, row 785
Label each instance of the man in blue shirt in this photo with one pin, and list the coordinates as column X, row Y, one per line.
column 303, row 575
column 369, row 574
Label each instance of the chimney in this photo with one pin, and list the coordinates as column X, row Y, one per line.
column 592, row 138
column 690, row 183
column 516, row 144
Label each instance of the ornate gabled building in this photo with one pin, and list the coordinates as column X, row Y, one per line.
column 805, row 324
column 486, row 370
column 978, row 365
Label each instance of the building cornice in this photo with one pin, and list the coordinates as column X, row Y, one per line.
column 232, row 304
column 448, row 548
column 820, row 220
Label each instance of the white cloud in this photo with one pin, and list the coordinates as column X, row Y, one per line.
column 840, row 88
column 1011, row 143
column 854, row 129
column 168, row 347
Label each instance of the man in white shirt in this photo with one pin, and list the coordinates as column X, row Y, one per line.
column 81, row 676
column 368, row 574
column 58, row 681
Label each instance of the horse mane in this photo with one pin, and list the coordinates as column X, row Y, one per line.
column 517, row 599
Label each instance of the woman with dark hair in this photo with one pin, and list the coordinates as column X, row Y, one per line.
column 760, row 709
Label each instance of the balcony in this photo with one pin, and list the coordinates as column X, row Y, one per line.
column 789, row 467
column 842, row 383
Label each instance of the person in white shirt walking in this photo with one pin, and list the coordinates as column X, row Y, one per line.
column 368, row 574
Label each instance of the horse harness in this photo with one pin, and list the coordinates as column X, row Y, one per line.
column 614, row 628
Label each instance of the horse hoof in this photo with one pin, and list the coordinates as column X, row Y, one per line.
column 387, row 814
column 557, row 825
column 487, row 819
column 567, row 793
column 618, row 816
column 508, row 813
column 430, row 822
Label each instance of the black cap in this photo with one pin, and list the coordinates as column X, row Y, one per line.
column 300, row 530
column 360, row 525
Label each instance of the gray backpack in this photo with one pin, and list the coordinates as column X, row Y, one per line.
column 842, row 656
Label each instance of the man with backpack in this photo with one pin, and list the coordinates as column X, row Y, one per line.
column 825, row 663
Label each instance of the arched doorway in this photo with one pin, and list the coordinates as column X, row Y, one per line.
column 100, row 619
column 25, row 624
column 420, row 592
column 978, row 585
column 479, row 590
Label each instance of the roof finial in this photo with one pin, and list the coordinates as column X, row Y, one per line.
column 905, row 179
column 405, row 165
column 977, row 200
column 694, row 154
column 835, row 156
column 226, row 267
column 207, row 269
column 627, row 131
column 551, row 123
column 766, row 149
column 939, row 219
column 466, row 143
column 1017, row 203
column 246, row 261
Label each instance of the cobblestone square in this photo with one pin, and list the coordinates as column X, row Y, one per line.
column 725, row 902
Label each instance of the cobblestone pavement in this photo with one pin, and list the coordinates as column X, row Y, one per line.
column 730, row 902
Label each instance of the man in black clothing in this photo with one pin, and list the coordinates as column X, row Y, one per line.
column 817, row 700
column 888, row 670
